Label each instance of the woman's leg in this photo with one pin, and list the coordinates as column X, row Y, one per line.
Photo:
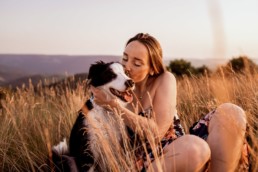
column 226, row 136
column 187, row 153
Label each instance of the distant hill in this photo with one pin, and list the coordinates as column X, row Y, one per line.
column 8, row 74
column 52, row 64
column 35, row 79
column 71, row 82
column 16, row 69
column 14, row 66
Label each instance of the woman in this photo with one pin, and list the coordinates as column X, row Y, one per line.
column 154, row 110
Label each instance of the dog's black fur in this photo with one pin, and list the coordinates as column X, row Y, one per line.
column 80, row 156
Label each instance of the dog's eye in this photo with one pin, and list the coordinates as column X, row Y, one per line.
column 113, row 75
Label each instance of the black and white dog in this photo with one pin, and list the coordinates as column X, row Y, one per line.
column 96, row 137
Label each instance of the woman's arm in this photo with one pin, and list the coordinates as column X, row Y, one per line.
column 164, row 102
column 140, row 125
column 164, row 108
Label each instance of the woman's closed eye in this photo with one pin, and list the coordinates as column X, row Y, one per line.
column 138, row 64
column 125, row 59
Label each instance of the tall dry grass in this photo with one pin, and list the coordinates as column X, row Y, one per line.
column 197, row 96
column 33, row 121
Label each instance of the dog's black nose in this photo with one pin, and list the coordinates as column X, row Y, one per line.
column 129, row 83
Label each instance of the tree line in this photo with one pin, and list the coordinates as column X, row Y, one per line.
column 241, row 64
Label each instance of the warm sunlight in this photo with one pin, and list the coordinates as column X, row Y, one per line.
column 188, row 29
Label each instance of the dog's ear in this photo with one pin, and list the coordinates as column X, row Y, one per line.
column 95, row 68
column 95, row 71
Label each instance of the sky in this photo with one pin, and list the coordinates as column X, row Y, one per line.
column 184, row 28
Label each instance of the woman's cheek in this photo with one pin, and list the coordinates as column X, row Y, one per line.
column 133, row 77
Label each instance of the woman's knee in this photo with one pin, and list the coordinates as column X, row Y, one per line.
column 198, row 151
column 231, row 115
column 190, row 153
column 199, row 148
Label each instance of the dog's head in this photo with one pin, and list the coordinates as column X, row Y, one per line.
column 111, row 78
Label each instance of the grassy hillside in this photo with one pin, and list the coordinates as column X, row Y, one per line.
column 33, row 122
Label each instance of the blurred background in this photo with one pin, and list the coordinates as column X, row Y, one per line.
column 64, row 37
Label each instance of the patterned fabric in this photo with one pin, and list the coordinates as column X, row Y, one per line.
column 176, row 130
column 200, row 129
column 144, row 153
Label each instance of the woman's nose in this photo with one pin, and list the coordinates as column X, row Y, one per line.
column 127, row 72
column 126, row 68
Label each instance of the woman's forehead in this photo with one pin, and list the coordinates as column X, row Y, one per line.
column 136, row 50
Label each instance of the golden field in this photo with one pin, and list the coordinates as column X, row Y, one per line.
column 33, row 119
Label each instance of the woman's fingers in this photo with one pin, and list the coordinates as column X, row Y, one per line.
column 96, row 92
column 93, row 89
column 101, row 97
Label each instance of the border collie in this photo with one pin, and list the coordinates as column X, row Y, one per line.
column 96, row 142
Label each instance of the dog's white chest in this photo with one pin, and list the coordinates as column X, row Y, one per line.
column 103, row 126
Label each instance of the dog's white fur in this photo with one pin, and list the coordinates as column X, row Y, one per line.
column 62, row 147
column 103, row 124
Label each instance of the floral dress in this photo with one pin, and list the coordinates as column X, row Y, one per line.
column 143, row 152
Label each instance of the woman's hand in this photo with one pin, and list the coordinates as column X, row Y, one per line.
column 102, row 98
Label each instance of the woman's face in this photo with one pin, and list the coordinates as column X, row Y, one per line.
column 136, row 61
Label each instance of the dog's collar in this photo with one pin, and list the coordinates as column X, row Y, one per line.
column 89, row 104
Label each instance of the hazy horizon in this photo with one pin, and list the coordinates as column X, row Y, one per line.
column 198, row 29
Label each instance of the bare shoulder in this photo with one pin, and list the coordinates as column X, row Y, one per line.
column 167, row 78
column 164, row 81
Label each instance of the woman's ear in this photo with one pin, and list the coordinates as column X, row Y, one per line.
column 151, row 72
